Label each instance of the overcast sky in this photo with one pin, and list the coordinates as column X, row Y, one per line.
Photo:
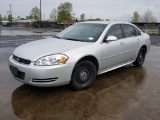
column 105, row 9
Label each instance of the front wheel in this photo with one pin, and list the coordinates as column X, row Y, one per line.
column 140, row 58
column 84, row 74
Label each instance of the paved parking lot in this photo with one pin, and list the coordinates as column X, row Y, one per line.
column 14, row 41
column 128, row 93
column 12, row 37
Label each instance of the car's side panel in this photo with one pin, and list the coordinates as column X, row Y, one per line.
column 112, row 54
column 131, row 40
column 131, row 46
column 114, row 67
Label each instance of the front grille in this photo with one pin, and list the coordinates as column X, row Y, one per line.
column 17, row 73
column 21, row 60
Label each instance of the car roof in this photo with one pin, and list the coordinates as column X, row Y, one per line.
column 107, row 22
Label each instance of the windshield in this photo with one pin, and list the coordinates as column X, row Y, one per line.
column 85, row 32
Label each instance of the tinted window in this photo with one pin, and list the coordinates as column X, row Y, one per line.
column 115, row 30
column 138, row 32
column 128, row 31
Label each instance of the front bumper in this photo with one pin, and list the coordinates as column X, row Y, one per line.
column 43, row 76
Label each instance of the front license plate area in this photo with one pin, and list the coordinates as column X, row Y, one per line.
column 17, row 73
column 14, row 70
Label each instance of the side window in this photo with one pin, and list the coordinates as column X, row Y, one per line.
column 128, row 30
column 115, row 30
column 138, row 32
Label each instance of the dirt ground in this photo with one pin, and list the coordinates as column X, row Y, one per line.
column 127, row 93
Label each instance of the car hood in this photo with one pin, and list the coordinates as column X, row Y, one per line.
column 36, row 49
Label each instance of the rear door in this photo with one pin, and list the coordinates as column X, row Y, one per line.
column 132, row 42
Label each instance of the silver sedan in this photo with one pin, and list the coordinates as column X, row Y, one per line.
column 79, row 53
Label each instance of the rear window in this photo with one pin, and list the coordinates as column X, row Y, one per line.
column 138, row 32
column 128, row 30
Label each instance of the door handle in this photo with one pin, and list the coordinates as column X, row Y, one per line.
column 122, row 43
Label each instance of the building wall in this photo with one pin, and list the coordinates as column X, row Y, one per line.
column 150, row 28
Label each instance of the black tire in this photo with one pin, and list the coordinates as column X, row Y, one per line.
column 140, row 58
column 84, row 74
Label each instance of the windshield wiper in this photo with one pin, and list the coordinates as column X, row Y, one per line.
column 57, row 37
column 72, row 39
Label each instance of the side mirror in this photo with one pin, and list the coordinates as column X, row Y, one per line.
column 111, row 38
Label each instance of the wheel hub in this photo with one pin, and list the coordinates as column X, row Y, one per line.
column 84, row 75
column 141, row 56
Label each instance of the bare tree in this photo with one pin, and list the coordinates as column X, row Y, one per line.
column 149, row 17
column 53, row 15
column 82, row 17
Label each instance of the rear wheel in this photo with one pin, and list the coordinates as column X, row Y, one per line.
column 84, row 74
column 140, row 58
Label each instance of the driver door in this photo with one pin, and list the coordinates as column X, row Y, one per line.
column 113, row 51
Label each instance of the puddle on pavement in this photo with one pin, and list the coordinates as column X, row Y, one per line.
column 23, row 32
column 65, row 103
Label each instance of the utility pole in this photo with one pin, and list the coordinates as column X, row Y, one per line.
column 8, row 13
column 44, row 17
column 11, row 11
column 40, row 11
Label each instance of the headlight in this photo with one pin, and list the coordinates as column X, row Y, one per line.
column 51, row 60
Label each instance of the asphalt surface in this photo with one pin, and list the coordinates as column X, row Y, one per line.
column 14, row 41
column 127, row 93
column 13, row 37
